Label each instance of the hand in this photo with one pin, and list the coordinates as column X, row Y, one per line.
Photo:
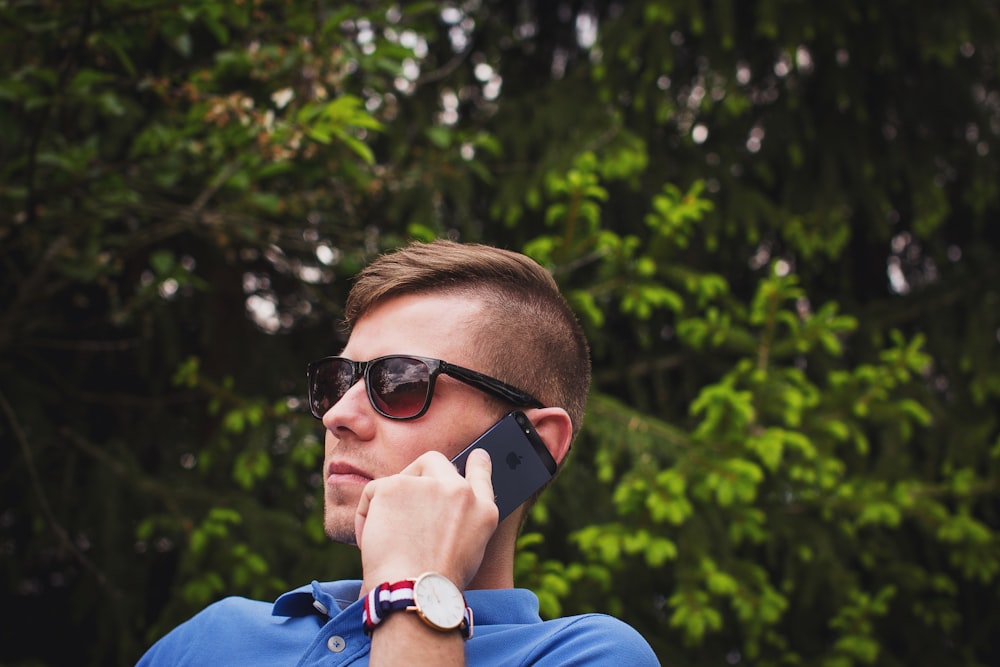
column 427, row 518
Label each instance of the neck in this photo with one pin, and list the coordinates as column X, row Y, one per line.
column 497, row 568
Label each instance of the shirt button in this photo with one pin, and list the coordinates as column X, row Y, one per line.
column 336, row 644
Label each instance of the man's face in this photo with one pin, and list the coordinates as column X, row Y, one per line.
column 360, row 443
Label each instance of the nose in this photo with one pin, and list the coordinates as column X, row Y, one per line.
column 351, row 414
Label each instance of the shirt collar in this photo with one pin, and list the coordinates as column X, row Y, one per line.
column 327, row 598
column 510, row 605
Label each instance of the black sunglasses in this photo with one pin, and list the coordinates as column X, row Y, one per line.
column 399, row 386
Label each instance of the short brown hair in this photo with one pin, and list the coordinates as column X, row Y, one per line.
column 529, row 336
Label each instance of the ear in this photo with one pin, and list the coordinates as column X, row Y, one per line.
column 556, row 429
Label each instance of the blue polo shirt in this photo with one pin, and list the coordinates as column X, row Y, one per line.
column 321, row 624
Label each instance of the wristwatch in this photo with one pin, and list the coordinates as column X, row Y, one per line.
column 434, row 598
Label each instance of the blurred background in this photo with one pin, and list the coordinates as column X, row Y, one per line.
column 776, row 219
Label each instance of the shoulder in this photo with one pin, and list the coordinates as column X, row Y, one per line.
column 589, row 639
column 600, row 639
column 230, row 612
column 215, row 633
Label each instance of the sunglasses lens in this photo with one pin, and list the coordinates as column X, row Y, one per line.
column 328, row 383
column 399, row 386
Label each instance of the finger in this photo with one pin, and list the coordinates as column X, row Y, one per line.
column 361, row 514
column 479, row 473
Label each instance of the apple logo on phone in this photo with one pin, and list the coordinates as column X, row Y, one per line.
column 513, row 460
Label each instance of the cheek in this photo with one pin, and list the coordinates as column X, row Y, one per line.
column 398, row 447
column 400, row 451
column 448, row 432
column 462, row 434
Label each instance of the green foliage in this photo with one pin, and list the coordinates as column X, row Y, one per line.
column 338, row 119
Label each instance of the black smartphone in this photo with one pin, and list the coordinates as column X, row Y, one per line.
column 522, row 463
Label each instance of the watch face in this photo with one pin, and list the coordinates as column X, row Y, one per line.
column 439, row 601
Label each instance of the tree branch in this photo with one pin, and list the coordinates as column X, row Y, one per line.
column 36, row 484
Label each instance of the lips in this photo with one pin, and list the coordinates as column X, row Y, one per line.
column 345, row 473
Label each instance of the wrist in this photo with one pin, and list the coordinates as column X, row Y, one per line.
column 433, row 598
column 393, row 572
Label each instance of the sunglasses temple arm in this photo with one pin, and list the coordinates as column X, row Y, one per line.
column 493, row 386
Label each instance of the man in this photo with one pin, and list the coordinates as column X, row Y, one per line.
column 438, row 586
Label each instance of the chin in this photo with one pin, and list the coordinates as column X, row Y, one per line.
column 343, row 536
column 339, row 531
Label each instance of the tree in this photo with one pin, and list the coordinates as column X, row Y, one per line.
column 772, row 218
